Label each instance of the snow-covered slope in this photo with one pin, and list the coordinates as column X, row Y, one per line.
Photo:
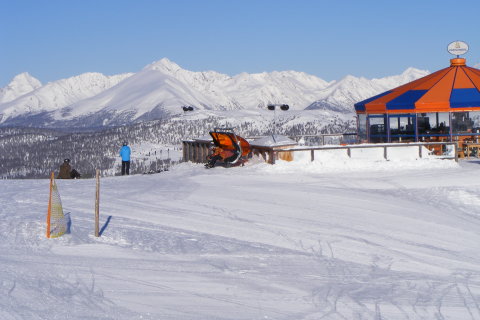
column 336, row 238
column 58, row 94
column 20, row 85
column 343, row 94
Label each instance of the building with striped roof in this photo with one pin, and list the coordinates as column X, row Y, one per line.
column 443, row 106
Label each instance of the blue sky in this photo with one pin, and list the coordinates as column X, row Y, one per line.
column 54, row 39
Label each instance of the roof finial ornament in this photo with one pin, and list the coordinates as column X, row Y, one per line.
column 457, row 48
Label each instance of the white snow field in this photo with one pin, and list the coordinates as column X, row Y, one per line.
column 332, row 239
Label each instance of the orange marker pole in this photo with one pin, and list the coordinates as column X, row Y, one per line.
column 49, row 213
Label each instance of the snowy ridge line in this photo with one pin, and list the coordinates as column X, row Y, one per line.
column 162, row 88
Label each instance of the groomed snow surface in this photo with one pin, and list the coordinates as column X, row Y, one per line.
column 334, row 239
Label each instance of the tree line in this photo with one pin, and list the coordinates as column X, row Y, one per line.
column 35, row 152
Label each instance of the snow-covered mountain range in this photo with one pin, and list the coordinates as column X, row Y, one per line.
column 160, row 90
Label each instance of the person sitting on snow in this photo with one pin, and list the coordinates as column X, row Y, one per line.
column 65, row 170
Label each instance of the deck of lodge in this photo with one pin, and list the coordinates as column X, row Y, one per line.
column 198, row 150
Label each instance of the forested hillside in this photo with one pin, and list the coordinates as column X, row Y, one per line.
column 34, row 152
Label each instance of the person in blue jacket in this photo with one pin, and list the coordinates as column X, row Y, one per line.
column 125, row 154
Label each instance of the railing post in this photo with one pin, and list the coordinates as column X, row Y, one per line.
column 194, row 152
column 197, row 152
column 190, row 151
column 271, row 155
column 349, row 152
column 420, row 151
column 455, row 147
column 205, row 152
column 184, row 151
column 200, row 152
column 312, row 155
column 385, row 152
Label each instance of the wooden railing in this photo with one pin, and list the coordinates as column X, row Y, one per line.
column 198, row 150
column 385, row 146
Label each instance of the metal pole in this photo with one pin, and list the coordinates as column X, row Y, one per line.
column 274, row 121
column 97, row 205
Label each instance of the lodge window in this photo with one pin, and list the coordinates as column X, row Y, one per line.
column 433, row 124
column 377, row 128
column 466, row 122
column 362, row 127
column 402, row 127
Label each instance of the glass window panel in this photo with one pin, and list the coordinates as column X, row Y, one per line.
column 433, row 123
column 377, row 129
column 461, row 122
column 443, row 123
column 362, row 127
column 475, row 116
column 402, row 128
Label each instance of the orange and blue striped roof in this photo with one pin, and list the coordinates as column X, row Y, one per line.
column 456, row 88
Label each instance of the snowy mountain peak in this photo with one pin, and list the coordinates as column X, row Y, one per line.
column 25, row 78
column 164, row 65
column 21, row 84
column 343, row 94
column 414, row 73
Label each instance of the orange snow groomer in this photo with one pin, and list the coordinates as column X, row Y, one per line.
column 229, row 148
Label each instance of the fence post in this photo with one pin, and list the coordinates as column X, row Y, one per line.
column 186, row 157
column 195, row 152
column 271, row 155
column 203, row 154
column 97, row 205
column 385, row 152
column 184, row 151
column 312, row 155
column 190, row 151
column 349, row 152
column 455, row 147
column 420, row 151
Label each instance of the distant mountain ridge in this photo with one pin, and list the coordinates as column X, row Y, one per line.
column 162, row 87
column 20, row 85
column 343, row 94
